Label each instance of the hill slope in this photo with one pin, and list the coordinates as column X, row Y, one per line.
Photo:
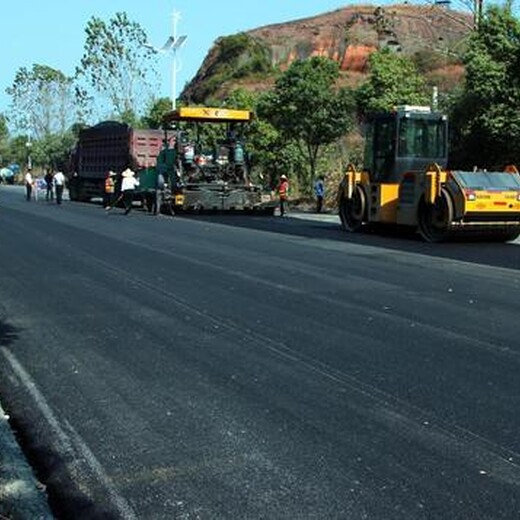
column 432, row 35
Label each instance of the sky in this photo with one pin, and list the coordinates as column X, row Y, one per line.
column 52, row 32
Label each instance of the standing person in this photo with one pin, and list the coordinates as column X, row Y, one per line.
column 128, row 185
column 150, row 199
column 154, row 197
column 29, row 182
column 319, row 191
column 283, row 194
column 159, row 193
column 49, row 194
column 110, row 189
column 59, row 185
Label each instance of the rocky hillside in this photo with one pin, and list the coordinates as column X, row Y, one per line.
column 432, row 35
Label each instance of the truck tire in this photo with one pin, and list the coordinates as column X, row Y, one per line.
column 167, row 207
column 353, row 211
column 434, row 220
column 75, row 191
column 73, row 194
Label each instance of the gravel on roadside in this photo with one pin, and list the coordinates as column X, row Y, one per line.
column 22, row 497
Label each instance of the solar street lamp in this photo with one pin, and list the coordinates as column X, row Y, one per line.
column 173, row 44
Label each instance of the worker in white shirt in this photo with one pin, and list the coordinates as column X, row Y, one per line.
column 59, row 184
column 128, row 185
column 29, row 182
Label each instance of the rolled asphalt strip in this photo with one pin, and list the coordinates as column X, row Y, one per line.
column 22, row 497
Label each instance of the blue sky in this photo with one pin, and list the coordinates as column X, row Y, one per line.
column 52, row 32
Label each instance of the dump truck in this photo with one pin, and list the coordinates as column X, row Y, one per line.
column 109, row 145
column 206, row 165
column 405, row 181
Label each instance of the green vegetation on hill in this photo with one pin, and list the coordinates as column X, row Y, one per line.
column 237, row 56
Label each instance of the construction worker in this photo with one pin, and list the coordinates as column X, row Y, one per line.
column 283, row 194
column 128, row 186
column 49, row 181
column 154, row 197
column 59, row 185
column 110, row 189
column 319, row 191
column 29, row 183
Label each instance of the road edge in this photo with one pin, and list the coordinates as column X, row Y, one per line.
column 21, row 495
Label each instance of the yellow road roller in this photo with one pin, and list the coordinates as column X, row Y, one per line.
column 405, row 182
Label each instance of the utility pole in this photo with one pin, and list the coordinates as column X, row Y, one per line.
column 477, row 15
column 173, row 44
column 28, row 145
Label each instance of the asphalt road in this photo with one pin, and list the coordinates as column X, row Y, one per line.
column 225, row 367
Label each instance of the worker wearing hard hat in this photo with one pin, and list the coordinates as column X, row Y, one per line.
column 110, row 189
column 128, row 186
column 283, row 194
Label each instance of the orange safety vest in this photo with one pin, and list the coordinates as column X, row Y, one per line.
column 283, row 190
column 109, row 185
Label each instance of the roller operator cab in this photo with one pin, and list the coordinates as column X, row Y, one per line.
column 405, row 181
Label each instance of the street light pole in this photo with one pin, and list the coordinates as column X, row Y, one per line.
column 173, row 43
column 28, row 145
column 175, row 19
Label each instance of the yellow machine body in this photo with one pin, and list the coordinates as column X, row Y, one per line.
column 209, row 115
column 384, row 201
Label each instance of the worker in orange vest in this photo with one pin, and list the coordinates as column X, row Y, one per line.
column 283, row 194
column 110, row 189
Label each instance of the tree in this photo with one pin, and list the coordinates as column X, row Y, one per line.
column 4, row 138
column 53, row 151
column 156, row 112
column 116, row 65
column 241, row 99
column 43, row 101
column 393, row 80
column 272, row 154
column 308, row 110
column 485, row 118
column 16, row 151
column 269, row 153
column 4, row 131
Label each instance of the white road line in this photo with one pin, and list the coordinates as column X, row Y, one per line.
column 70, row 446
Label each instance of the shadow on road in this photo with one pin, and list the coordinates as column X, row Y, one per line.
column 487, row 253
column 31, row 431
column 8, row 334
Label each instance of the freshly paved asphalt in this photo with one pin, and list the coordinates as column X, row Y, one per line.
column 256, row 367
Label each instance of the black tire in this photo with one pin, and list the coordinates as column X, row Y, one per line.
column 502, row 236
column 73, row 191
column 73, row 195
column 434, row 220
column 166, row 205
column 168, row 209
column 509, row 237
column 353, row 212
